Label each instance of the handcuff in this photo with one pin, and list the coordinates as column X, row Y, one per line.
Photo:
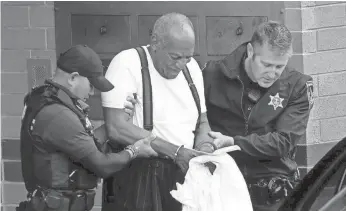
column 133, row 150
column 176, row 153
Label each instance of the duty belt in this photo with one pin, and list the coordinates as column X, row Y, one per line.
column 61, row 200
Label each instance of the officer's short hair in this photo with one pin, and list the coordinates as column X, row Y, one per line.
column 275, row 34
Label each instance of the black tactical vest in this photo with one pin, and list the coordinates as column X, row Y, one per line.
column 34, row 153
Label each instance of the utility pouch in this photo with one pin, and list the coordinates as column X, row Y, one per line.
column 90, row 199
column 56, row 201
column 37, row 203
column 24, row 206
column 83, row 201
column 49, row 200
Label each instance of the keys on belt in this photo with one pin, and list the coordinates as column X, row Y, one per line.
column 270, row 190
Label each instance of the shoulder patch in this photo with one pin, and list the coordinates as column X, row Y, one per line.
column 310, row 93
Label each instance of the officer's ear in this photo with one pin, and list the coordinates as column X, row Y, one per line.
column 250, row 50
column 73, row 78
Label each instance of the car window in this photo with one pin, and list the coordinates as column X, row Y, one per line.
column 330, row 189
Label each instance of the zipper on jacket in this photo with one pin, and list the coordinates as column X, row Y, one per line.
column 245, row 171
column 246, row 119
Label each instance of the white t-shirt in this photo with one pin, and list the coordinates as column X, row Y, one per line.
column 174, row 110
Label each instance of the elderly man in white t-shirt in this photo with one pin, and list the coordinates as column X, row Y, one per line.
column 146, row 184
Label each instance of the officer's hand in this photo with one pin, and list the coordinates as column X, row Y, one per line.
column 129, row 105
column 144, row 148
column 206, row 148
column 184, row 156
column 221, row 140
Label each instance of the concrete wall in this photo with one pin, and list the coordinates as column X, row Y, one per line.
column 319, row 29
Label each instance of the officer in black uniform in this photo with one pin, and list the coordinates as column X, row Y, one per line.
column 62, row 157
column 263, row 106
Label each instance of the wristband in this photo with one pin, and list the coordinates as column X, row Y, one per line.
column 176, row 152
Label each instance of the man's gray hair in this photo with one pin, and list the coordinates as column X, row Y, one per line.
column 169, row 21
column 275, row 34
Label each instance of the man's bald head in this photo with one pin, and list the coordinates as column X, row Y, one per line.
column 172, row 26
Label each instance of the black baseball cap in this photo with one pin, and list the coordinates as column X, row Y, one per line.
column 85, row 61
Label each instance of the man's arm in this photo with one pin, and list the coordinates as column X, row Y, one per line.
column 203, row 141
column 290, row 129
column 66, row 134
column 125, row 132
column 104, row 165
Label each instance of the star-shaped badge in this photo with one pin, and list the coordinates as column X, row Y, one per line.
column 276, row 101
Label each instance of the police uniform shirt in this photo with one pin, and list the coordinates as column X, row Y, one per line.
column 57, row 126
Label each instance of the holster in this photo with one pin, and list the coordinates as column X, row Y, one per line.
column 24, row 206
column 53, row 200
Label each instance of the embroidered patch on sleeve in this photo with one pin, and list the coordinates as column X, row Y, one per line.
column 310, row 93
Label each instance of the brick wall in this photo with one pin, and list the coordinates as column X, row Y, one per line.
column 319, row 29
column 27, row 32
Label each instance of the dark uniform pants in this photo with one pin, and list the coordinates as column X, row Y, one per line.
column 271, row 207
column 144, row 186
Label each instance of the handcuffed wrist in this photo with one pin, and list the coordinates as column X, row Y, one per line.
column 130, row 153
column 176, row 153
column 132, row 150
